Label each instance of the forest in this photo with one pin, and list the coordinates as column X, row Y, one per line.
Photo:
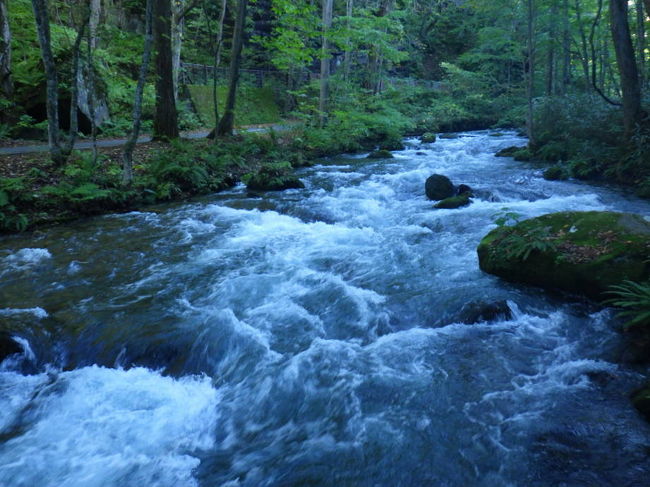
column 329, row 243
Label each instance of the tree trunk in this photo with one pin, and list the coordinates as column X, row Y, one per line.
column 227, row 122
column 641, row 45
column 178, row 26
column 566, row 47
column 217, row 57
column 550, row 67
column 6, row 84
column 530, row 85
column 347, row 57
column 629, row 74
column 74, row 88
column 165, row 123
column 95, row 14
column 127, row 152
column 42, row 19
column 325, row 62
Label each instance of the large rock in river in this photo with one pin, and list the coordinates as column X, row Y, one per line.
column 579, row 252
column 439, row 187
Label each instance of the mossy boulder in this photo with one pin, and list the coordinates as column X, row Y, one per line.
column 454, row 202
column 641, row 401
column 276, row 176
column 578, row 252
column 439, row 187
column 428, row 138
column 555, row 173
column 392, row 144
column 380, row 154
column 519, row 153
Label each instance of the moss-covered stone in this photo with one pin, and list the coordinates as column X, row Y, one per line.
column 380, row 154
column 438, row 187
column 641, row 401
column 391, row 144
column 555, row 173
column 428, row 138
column 507, row 152
column 454, row 202
column 274, row 177
column 578, row 252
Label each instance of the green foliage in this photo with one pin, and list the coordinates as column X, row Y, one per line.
column 254, row 105
column 13, row 193
column 273, row 176
column 521, row 245
column 506, row 218
column 634, row 299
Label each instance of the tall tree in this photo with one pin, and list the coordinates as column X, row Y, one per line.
column 42, row 18
column 6, row 84
column 632, row 112
column 127, row 152
column 325, row 61
column 165, row 123
column 227, row 122
column 530, row 84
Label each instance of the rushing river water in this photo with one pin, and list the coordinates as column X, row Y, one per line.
column 311, row 338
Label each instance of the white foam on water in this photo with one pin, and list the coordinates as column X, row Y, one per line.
column 97, row 427
column 37, row 312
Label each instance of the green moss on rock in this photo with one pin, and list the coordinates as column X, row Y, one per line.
column 641, row 401
column 555, row 173
column 578, row 252
column 428, row 138
column 274, row 177
column 454, row 202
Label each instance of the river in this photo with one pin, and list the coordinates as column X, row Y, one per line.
column 311, row 337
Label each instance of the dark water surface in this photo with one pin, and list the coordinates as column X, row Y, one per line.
column 311, row 338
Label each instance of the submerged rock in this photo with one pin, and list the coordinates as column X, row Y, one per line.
column 428, row 138
column 8, row 346
column 555, row 173
column 420, row 153
column 439, row 187
column 449, row 136
column 453, row 202
column 641, row 401
column 380, row 154
column 464, row 189
column 274, row 177
column 482, row 311
column 509, row 151
column 579, row 252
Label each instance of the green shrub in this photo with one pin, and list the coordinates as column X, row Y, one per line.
column 634, row 299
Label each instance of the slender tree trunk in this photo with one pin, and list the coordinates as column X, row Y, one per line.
column 530, row 85
column 641, row 44
column 74, row 89
column 178, row 27
column 90, row 64
column 550, row 66
column 41, row 16
column 6, row 83
column 165, row 123
column 227, row 122
column 566, row 47
column 584, row 54
column 347, row 57
column 127, row 152
column 630, row 88
column 325, row 62
column 647, row 7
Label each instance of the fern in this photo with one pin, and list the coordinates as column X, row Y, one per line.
column 634, row 299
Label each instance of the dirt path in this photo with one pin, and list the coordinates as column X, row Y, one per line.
column 85, row 144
